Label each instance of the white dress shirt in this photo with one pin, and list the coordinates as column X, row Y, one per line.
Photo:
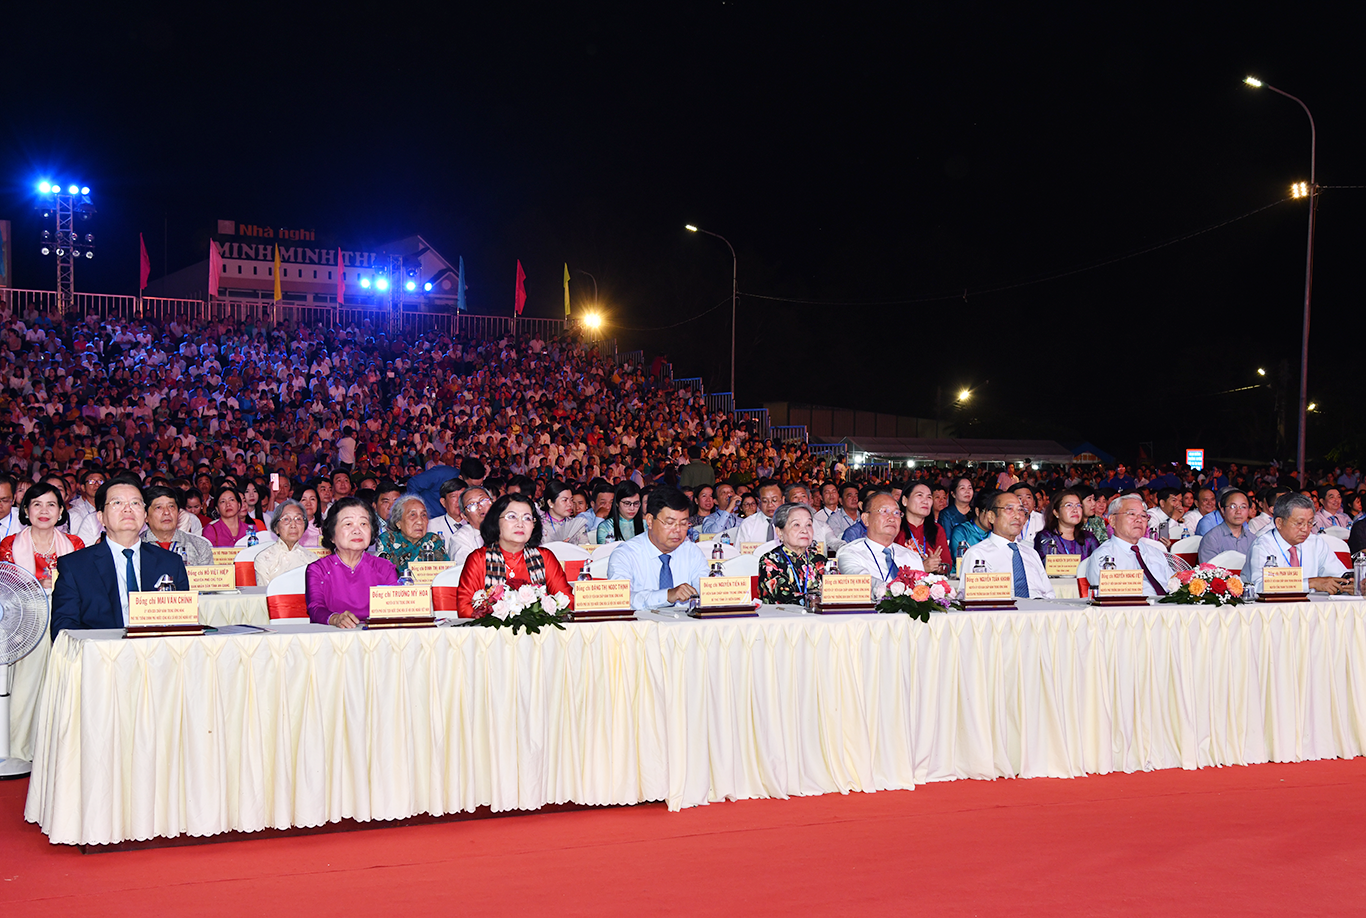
column 839, row 521
column 638, row 560
column 10, row 525
column 1154, row 555
column 756, row 528
column 1166, row 527
column 466, row 540
column 446, row 526
column 999, row 558
column 1032, row 527
column 1316, row 557
column 1258, row 523
column 864, row 556
column 1192, row 519
column 828, row 518
column 121, row 571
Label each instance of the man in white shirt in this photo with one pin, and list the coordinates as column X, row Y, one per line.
column 830, row 505
column 878, row 554
column 9, row 514
column 848, row 512
column 759, row 527
column 663, row 566
column 85, row 521
column 1128, row 548
column 474, row 506
column 1166, row 519
column 1031, row 523
column 1290, row 542
column 1001, row 551
column 821, row 534
column 448, row 524
column 1332, row 513
column 1205, row 501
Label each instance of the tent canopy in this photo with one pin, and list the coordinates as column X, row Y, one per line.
column 946, row 450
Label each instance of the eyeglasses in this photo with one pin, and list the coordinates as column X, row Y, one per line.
column 476, row 504
column 120, row 504
column 888, row 512
column 291, row 521
column 1132, row 514
column 1009, row 508
column 629, row 504
column 519, row 517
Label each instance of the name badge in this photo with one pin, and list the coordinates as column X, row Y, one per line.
column 725, row 591
column 400, row 602
column 1121, row 583
column 601, row 595
column 1282, row 580
column 226, row 555
column 847, row 588
column 989, row 586
column 205, row 577
column 1061, row 565
column 163, row 609
column 426, row 571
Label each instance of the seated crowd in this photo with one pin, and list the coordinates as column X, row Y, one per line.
column 235, row 431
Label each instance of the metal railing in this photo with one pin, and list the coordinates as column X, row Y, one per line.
column 692, row 384
column 722, row 402
column 826, row 449
column 635, row 358
column 786, row 433
column 758, row 415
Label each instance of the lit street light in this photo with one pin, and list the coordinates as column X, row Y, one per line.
column 1312, row 192
column 964, row 395
column 593, row 321
column 1261, row 372
column 734, row 271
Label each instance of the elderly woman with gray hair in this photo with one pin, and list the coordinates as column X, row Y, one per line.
column 789, row 568
column 407, row 539
column 286, row 553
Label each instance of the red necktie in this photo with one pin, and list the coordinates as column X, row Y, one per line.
column 1294, row 556
column 1156, row 584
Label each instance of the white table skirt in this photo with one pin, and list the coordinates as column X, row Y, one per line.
column 204, row 735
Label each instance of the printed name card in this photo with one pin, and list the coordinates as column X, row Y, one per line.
column 207, row 577
column 749, row 548
column 1061, row 565
column 725, row 591
column 400, row 602
column 1282, row 580
column 426, row 571
column 226, row 555
column 1121, row 583
column 705, row 536
column 820, row 549
column 601, row 595
column 163, row 609
column 847, row 588
column 989, row 586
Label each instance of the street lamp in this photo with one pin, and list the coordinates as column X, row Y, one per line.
column 734, row 271
column 593, row 321
column 964, row 395
column 1312, row 191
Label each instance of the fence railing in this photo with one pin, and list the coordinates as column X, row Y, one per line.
column 722, row 402
column 692, row 384
column 758, row 415
column 826, row 449
column 635, row 358
column 786, row 433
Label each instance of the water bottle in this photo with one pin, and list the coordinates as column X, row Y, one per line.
column 979, row 566
column 1358, row 572
column 583, row 573
column 427, row 552
column 812, row 600
column 1108, row 564
column 165, row 584
column 717, row 554
column 725, row 538
column 252, row 538
column 1185, row 531
column 180, row 550
column 832, row 566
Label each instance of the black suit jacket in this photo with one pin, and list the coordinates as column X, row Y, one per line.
column 1356, row 538
column 87, row 591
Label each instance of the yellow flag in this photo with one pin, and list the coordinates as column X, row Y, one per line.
column 277, row 275
column 566, row 289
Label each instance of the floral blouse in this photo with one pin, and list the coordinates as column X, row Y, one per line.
column 395, row 546
column 783, row 578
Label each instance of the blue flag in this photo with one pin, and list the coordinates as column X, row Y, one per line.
column 460, row 287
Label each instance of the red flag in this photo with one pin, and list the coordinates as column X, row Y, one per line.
column 144, row 265
column 519, row 299
column 341, row 284
column 215, row 268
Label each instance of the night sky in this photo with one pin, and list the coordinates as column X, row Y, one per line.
column 883, row 163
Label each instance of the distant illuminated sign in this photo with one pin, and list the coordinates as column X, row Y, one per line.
column 1195, row 458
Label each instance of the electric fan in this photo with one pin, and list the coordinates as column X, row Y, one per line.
column 23, row 622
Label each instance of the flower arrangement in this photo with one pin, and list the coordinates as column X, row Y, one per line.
column 526, row 606
column 1207, row 585
column 917, row 594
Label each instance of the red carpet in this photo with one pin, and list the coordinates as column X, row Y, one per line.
column 1264, row 840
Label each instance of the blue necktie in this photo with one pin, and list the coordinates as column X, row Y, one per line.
column 132, row 575
column 1017, row 569
column 891, row 565
column 666, row 576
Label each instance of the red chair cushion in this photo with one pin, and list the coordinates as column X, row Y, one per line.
column 1190, row 557
column 443, row 598
column 246, row 573
column 287, row 605
column 572, row 568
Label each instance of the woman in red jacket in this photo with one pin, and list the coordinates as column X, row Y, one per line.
column 512, row 533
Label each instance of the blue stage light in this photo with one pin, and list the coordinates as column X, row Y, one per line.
column 73, row 190
column 365, row 282
column 44, row 187
column 85, row 189
column 427, row 286
column 410, row 286
column 381, row 283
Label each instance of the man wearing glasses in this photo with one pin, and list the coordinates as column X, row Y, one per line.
column 84, row 522
column 93, row 584
column 448, row 524
column 878, row 554
column 1129, row 550
column 999, row 552
column 474, row 505
column 663, row 566
column 1290, row 542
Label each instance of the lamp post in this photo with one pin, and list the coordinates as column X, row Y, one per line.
column 1313, row 193
column 734, row 273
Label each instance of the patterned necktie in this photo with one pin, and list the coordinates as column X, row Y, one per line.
column 1294, row 556
column 666, row 576
column 131, row 575
column 770, row 531
column 1018, row 572
column 1156, row 584
column 891, row 565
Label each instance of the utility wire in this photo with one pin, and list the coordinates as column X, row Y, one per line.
column 676, row 324
column 1028, row 282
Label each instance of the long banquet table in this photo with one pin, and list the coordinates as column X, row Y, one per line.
column 203, row 735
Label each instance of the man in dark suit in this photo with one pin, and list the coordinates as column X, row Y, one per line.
column 93, row 583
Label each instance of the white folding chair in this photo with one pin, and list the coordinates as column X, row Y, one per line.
column 1339, row 547
column 1187, row 549
column 563, row 552
column 449, row 577
column 285, row 595
column 1338, row 532
column 741, row 566
column 1230, row 560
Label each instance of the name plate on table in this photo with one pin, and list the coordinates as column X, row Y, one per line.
column 846, row 593
column 163, row 613
column 226, row 555
column 749, row 548
column 1121, row 583
column 1282, row 584
column 208, row 578
column 602, row 600
column 400, row 606
column 990, row 587
column 426, row 571
column 705, row 536
column 820, row 549
column 1061, row 565
column 725, row 591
